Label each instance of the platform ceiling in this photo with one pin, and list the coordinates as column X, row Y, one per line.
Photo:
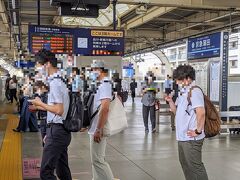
column 165, row 20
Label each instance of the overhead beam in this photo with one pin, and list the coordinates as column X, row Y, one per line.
column 150, row 15
column 208, row 4
column 143, row 34
column 209, row 20
column 3, row 14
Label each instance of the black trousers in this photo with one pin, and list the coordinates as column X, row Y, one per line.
column 55, row 154
column 13, row 94
column 146, row 110
column 7, row 94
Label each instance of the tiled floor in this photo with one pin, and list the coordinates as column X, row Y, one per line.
column 134, row 155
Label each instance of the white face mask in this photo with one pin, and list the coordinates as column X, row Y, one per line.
column 39, row 92
column 41, row 70
column 94, row 75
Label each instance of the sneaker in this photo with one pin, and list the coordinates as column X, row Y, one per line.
column 146, row 131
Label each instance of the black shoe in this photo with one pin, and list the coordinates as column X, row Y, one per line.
column 16, row 130
column 146, row 131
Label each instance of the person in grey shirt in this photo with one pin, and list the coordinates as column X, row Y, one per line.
column 149, row 91
column 190, row 120
column 57, row 139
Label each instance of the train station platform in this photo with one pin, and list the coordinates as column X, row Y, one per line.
column 132, row 155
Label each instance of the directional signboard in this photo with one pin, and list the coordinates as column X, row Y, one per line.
column 204, row 47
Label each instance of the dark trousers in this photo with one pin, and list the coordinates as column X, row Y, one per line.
column 7, row 94
column 133, row 94
column 190, row 157
column 55, row 154
column 13, row 94
column 146, row 110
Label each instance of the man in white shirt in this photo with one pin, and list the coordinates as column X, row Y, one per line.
column 100, row 168
column 190, row 120
column 57, row 139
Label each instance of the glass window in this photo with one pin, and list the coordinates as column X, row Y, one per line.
column 233, row 45
column 233, row 64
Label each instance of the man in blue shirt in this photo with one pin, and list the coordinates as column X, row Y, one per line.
column 190, row 120
column 57, row 139
column 168, row 85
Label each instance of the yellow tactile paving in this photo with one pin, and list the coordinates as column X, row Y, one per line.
column 11, row 152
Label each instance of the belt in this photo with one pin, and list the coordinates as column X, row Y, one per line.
column 54, row 124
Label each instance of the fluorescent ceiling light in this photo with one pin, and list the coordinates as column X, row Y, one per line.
column 17, row 37
column 13, row 4
column 14, row 18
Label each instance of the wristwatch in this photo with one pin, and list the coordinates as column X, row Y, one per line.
column 198, row 133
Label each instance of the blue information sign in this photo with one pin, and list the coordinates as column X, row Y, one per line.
column 86, row 42
column 204, row 47
column 24, row 64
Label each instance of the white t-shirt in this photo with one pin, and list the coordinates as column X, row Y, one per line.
column 186, row 118
column 104, row 92
column 58, row 94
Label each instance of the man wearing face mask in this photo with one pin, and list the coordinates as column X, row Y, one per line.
column 57, row 139
column 100, row 168
column 190, row 120
column 149, row 91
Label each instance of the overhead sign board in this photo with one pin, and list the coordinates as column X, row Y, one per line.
column 24, row 64
column 86, row 42
column 204, row 47
column 58, row 40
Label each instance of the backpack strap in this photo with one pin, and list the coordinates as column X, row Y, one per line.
column 190, row 94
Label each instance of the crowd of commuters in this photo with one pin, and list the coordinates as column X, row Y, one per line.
column 46, row 98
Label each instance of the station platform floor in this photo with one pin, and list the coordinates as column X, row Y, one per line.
column 132, row 154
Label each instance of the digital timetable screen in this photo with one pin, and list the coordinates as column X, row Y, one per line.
column 79, row 41
column 59, row 44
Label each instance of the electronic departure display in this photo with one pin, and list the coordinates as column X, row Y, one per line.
column 59, row 44
column 78, row 41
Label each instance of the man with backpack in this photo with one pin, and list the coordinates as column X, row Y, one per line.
column 190, row 122
column 57, row 139
column 98, row 142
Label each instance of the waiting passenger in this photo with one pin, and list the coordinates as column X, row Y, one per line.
column 57, row 139
column 13, row 89
column 149, row 91
column 7, row 90
column 168, row 85
column 190, row 120
column 133, row 86
column 100, row 168
column 27, row 118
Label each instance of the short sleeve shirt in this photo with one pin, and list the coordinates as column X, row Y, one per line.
column 104, row 92
column 149, row 97
column 186, row 118
column 58, row 94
